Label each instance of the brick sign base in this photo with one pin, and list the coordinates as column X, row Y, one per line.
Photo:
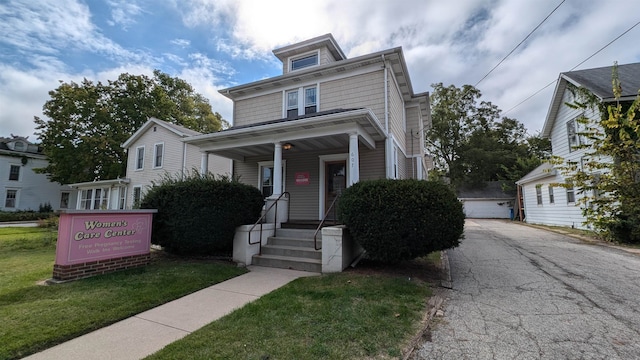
column 92, row 268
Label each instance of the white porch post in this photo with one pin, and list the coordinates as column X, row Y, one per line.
column 277, row 170
column 204, row 163
column 354, row 160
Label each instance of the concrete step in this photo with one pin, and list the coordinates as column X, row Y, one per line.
column 286, row 262
column 297, row 233
column 285, row 241
column 292, row 251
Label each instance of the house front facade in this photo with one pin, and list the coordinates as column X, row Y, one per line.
column 326, row 123
column 21, row 187
column 153, row 151
column 543, row 200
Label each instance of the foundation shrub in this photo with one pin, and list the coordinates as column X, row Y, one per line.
column 198, row 215
column 397, row 220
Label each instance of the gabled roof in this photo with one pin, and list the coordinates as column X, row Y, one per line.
column 543, row 171
column 179, row 130
column 597, row 81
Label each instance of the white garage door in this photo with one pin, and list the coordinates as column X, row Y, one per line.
column 486, row 209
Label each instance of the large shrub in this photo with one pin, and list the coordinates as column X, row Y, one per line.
column 199, row 214
column 396, row 220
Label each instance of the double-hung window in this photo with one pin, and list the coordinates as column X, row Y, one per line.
column 14, row 172
column 539, row 194
column 572, row 134
column 10, row 198
column 137, row 196
column 64, row 200
column 551, row 197
column 571, row 195
column 158, row 154
column 265, row 175
column 301, row 101
column 85, row 199
column 140, row 158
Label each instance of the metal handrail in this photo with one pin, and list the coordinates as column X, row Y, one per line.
column 324, row 218
column 261, row 219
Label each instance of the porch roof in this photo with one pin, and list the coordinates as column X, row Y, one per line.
column 323, row 130
column 100, row 183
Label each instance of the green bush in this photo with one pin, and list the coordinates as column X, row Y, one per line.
column 28, row 215
column 396, row 220
column 199, row 214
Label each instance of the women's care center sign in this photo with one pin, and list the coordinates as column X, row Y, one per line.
column 94, row 236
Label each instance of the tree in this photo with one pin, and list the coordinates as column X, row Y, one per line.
column 471, row 143
column 609, row 176
column 87, row 122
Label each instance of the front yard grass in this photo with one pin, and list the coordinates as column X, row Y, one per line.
column 34, row 317
column 342, row 316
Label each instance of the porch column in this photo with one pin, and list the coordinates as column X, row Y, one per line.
column 277, row 170
column 354, row 160
column 204, row 163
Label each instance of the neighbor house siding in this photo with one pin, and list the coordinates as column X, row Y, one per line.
column 396, row 114
column 258, row 109
column 372, row 162
column 559, row 213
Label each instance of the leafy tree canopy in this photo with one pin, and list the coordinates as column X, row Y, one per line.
column 87, row 122
column 472, row 144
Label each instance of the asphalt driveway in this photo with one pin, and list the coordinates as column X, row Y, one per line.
column 525, row 293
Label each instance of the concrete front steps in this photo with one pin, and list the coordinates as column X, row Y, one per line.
column 291, row 249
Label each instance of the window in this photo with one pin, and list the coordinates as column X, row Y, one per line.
column 122, row 198
column 303, row 62
column 572, row 135
column 539, row 194
column 292, row 103
column 10, row 199
column 158, row 153
column 552, row 199
column 310, row 100
column 100, row 199
column 14, row 173
column 294, row 107
column 266, row 178
column 137, row 196
column 64, row 200
column 85, row 199
column 571, row 195
column 140, row 158
column 18, row 146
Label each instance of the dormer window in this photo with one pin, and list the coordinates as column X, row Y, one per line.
column 18, row 146
column 305, row 61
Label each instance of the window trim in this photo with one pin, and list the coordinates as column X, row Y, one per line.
column 11, row 167
column 139, row 163
column 307, row 55
column 155, row 155
column 122, row 197
column 262, row 164
column 16, row 194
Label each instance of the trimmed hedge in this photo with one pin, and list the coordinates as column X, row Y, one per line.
column 199, row 214
column 396, row 220
column 24, row 215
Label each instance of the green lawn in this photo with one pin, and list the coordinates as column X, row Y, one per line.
column 35, row 317
column 342, row 316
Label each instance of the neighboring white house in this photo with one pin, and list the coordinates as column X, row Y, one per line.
column 21, row 187
column 153, row 151
column 543, row 202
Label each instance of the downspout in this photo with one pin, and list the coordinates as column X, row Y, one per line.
column 184, row 159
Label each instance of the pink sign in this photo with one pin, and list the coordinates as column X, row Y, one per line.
column 92, row 236
column 302, row 178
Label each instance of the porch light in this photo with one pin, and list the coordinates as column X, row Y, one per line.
column 287, row 146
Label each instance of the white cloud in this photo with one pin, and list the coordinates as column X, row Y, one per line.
column 183, row 43
column 124, row 12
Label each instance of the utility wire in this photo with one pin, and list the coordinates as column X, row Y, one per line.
column 521, row 42
column 573, row 68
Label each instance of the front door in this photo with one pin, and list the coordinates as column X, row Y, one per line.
column 335, row 182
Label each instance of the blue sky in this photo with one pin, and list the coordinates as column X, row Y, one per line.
column 214, row 44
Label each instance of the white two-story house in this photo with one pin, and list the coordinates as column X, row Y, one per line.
column 543, row 202
column 22, row 188
column 153, row 151
column 326, row 123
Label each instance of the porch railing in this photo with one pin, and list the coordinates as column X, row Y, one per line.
column 324, row 218
column 262, row 218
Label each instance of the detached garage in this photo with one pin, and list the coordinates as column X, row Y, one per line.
column 489, row 202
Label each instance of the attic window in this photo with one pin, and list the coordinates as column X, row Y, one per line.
column 18, row 146
column 304, row 62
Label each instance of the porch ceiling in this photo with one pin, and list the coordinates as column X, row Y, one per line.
column 328, row 130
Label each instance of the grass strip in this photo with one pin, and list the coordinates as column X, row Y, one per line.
column 35, row 317
column 340, row 316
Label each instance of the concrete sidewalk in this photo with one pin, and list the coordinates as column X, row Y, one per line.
column 150, row 331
